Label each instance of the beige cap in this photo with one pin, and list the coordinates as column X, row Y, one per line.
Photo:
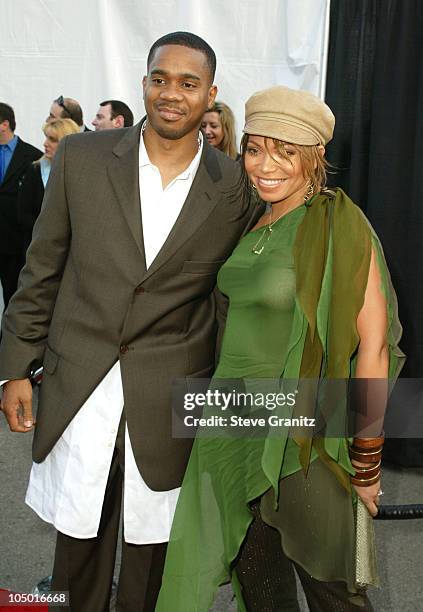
column 291, row 115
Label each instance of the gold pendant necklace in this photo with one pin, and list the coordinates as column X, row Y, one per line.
column 266, row 235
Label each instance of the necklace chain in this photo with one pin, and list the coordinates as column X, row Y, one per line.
column 267, row 233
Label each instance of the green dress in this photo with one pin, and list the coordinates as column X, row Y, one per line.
column 261, row 292
column 266, row 337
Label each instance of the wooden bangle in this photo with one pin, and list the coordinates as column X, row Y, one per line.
column 365, row 482
column 372, row 457
column 368, row 468
column 376, row 449
column 368, row 443
column 367, row 475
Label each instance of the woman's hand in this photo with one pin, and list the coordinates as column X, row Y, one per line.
column 369, row 496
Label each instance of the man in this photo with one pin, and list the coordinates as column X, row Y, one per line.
column 118, row 299
column 113, row 114
column 15, row 158
column 67, row 108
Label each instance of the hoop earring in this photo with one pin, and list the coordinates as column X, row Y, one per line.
column 309, row 193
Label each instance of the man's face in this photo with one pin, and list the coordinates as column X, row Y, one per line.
column 177, row 91
column 5, row 132
column 56, row 112
column 103, row 119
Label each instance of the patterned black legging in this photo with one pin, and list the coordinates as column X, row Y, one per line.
column 268, row 580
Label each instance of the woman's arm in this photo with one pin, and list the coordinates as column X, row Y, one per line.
column 372, row 326
column 372, row 363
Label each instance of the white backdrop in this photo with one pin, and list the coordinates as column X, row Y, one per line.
column 93, row 50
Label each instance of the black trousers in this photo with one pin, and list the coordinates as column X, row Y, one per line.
column 85, row 567
column 268, row 581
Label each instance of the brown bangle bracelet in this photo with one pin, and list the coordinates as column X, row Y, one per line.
column 366, row 453
column 367, row 475
column 367, row 450
column 368, row 443
column 365, row 482
column 365, row 457
column 368, row 468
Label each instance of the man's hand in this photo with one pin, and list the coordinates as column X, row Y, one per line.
column 16, row 404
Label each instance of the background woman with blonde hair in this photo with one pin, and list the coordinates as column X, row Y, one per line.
column 218, row 126
column 31, row 191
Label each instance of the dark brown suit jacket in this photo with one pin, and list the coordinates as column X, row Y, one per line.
column 86, row 299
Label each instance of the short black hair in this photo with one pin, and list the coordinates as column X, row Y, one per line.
column 7, row 114
column 120, row 108
column 186, row 39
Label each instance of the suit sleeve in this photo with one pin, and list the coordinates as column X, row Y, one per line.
column 255, row 209
column 222, row 304
column 26, row 321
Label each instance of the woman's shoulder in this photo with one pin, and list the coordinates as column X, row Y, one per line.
column 344, row 207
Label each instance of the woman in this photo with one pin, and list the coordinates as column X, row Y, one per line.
column 310, row 300
column 218, row 126
column 31, row 191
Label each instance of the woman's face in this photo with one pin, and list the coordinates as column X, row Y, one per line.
column 276, row 178
column 212, row 128
column 50, row 146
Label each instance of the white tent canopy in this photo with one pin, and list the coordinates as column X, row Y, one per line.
column 94, row 50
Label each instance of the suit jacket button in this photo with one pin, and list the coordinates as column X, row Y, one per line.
column 124, row 349
column 139, row 290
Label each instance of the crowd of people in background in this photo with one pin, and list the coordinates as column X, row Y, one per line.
column 24, row 169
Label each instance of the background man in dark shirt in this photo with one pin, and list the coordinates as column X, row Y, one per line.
column 15, row 158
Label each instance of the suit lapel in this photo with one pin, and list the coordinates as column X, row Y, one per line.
column 201, row 200
column 123, row 173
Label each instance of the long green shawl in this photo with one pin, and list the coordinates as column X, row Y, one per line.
column 332, row 257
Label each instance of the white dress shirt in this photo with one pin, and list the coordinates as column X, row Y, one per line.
column 67, row 489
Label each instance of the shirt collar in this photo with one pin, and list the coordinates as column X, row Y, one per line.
column 45, row 167
column 144, row 160
column 11, row 145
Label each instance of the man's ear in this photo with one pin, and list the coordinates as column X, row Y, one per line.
column 119, row 121
column 144, row 85
column 211, row 96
